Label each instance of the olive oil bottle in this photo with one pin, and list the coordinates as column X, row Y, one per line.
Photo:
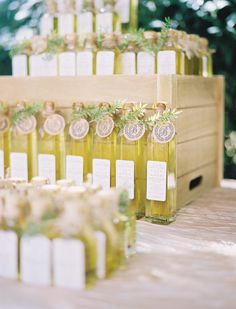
column 23, row 155
column 146, row 59
column 127, row 59
column 205, row 58
column 131, row 156
column 169, row 59
column 78, row 145
column 86, row 55
column 86, row 18
column 48, row 22
column 4, row 141
column 107, row 19
column 51, row 144
column 161, row 169
column 104, row 148
column 128, row 12
column 107, row 55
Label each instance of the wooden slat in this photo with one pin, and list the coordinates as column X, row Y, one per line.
column 193, row 91
column 193, row 154
column 185, row 195
column 195, row 122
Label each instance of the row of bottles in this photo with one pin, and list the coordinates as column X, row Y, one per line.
column 86, row 16
column 64, row 235
column 143, row 53
column 128, row 147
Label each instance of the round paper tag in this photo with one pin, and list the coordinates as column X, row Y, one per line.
column 79, row 128
column 164, row 133
column 134, row 130
column 4, row 124
column 27, row 125
column 54, row 124
column 105, row 127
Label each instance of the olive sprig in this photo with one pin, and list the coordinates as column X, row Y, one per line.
column 137, row 113
column 29, row 110
column 168, row 115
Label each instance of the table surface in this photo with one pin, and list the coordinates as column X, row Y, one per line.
column 188, row 264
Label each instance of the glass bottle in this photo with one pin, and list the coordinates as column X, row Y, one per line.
column 107, row 54
column 65, row 15
column 186, row 52
column 128, row 12
column 130, row 161
column 51, row 144
column 127, row 59
column 169, row 58
column 86, row 18
column 48, row 22
column 102, row 223
column 107, row 19
column 195, row 59
column 4, row 141
column 20, row 59
column 23, row 155
column 146, row 59
column 104, row 150
column 161, row 171
column 67, row 56
column 86, row 55
column 72, row 223
column 78, row 147
column 205, row 61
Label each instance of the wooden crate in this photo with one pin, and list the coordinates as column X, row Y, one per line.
column 199, row 127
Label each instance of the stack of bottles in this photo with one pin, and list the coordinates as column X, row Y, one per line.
column 142, row 53
column 129, row 146
column 63, row 235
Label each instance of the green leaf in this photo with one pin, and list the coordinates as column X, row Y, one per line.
column 29, row 110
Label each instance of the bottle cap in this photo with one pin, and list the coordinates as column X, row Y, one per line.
column 160, row 106
column 39, row 181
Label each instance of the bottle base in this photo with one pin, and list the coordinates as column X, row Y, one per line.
column 160, row 220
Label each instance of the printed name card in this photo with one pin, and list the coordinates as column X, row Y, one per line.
column 125, row 176
column 47, row 167
column 105, row 63
column 75, row 169
column 85, row 63
column 146, row 63
column 156, row 180
column 166, row 62
column 128, row 63
column 67, row 65
column 8, row 255
column 101, row 173
column 19, row 165
column 19, row 66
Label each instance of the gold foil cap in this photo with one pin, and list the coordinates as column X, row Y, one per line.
column 78, row 105
column 160, row 106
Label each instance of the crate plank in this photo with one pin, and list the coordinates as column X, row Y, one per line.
column 196, row 122
column 191, row 155
column 208, row 180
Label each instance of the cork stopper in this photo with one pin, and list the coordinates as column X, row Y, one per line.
column 39, row 181
column 65, row 182
column 20, row 105
column 48, row 108
column 128, row 107
column 109, row 41
column 78, row 105
column 150, row 36
column 160, row 106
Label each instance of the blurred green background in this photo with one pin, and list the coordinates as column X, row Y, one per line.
column 215, row 20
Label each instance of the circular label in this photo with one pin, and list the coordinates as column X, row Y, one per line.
column 134, row 130
column 27, row 125
column 79, row 128
column 105, row 127
column 4, row 124
column 54, row 124
column 164, row 133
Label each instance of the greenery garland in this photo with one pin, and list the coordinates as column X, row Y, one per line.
column 85, row 112
column 168, row 115
column 29, row 110
column 98, row 113
column 164, row 33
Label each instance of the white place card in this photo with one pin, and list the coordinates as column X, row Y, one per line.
column 101, row 254
column 123, row 9
column 43, row 65
column 19, row 66
column 67, row 66
column 47, row 167
column 69, row 263
column 79, row 5
column 128, row 63
column 84, row 63
column 65, row 24
column 46, row 24
column 204, row 66
column 166, row 62
column 35, row 260
column 75, row 169
column 101, row 173
column 8, row 255
column 99, row 4
column 146, row 63
column 104, row 22
column 156, row 180
column 85, row 23
column 125, row 176
column 19, row 165
column 105, row 63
